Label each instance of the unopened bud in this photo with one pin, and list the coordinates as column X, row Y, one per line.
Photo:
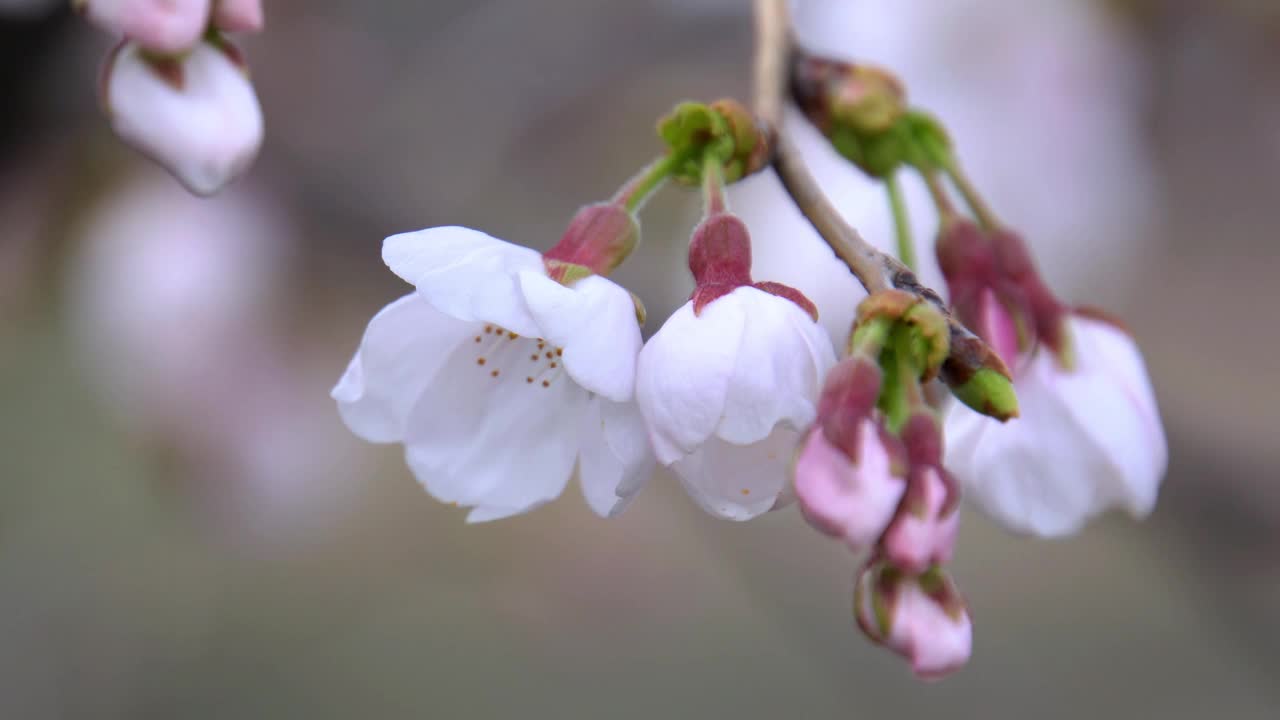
column 922, row 618
column 598, row 239
column 862, row 99
column 165, row 26
column 851, row 497
column 979, row 378
column 197, row 115
column 724, row 130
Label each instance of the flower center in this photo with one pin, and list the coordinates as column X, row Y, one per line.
column 505, row 355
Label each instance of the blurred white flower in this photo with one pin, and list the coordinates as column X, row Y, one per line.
column 165, row 26
column 196, row 115
column 173, row 302
column 498, row 379
column 1089, row 437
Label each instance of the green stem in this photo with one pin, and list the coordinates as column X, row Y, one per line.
column 972, row 198
column 901, row 222
column 870, row 337
column 638, row 189
column 941, row 202
column 713, row 185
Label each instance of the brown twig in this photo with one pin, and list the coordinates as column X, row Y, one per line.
column 874, row 269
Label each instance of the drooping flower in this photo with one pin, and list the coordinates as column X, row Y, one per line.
column 196, row 115
column 165, row 26
column 849, row 468
column 1089, row 437
column 920, row 617
column 498, row 379
column 730, row 380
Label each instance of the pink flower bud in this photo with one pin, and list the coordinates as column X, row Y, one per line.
column 923, row 533
column 922, row 618
column 166, row 26
column 197, row 115
column 238, row 15
column 849, row 498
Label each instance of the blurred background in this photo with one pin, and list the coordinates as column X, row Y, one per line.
column 188, row 531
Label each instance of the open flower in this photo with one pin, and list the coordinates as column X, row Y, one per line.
column 498, row 379
column 1089, row 437
column 196, row 115
column 729, row 381
column 167, row 26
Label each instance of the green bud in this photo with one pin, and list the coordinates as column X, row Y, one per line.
column 724, row 131
column 988, row 392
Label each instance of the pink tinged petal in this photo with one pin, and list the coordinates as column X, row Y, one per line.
column 403, row 348
column 778, row 373
column 922, row 619
column 197, row 115
column 498, row 443
column 739, row 482
column 683, row 376
column 854, row 502
column 616, row 460
column 466, row 273
column 238, row 15
column 997, row 328
column 922, row 534
column 1087, row 441
column 594, row 321
column 166, row 26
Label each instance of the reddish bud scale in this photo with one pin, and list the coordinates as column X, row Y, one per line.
column 599, row 238
column 923, row 441
column 720, row 260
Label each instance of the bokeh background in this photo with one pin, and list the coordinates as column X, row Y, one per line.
column 187, row 530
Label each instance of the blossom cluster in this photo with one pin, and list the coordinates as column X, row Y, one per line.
column 176, row 89
column 505, row 372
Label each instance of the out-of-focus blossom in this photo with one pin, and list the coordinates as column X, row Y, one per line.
column 164, row 26
column 498, row 379
column 174, row 306
column 1089, row 438
column 196, row 115
column 922, row 618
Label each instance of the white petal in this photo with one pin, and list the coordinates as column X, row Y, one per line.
column 683, row 376
column 616, row 459
column 739, row 482
column 402, row 349
column 781, row 362
column 500, row 444
column 1086, row 441
column 595, row 322
column 206, row 130
column 465, row 273
column 1120, row 413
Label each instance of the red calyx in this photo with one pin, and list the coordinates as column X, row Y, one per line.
column 720, row 260
column 599, row 238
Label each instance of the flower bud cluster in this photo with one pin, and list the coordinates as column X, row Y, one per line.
column 869, row 472
column 177, row 90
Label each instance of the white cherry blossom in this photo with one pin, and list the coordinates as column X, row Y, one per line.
column 1089, row 438
column 497, row 379
column 725, row 393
